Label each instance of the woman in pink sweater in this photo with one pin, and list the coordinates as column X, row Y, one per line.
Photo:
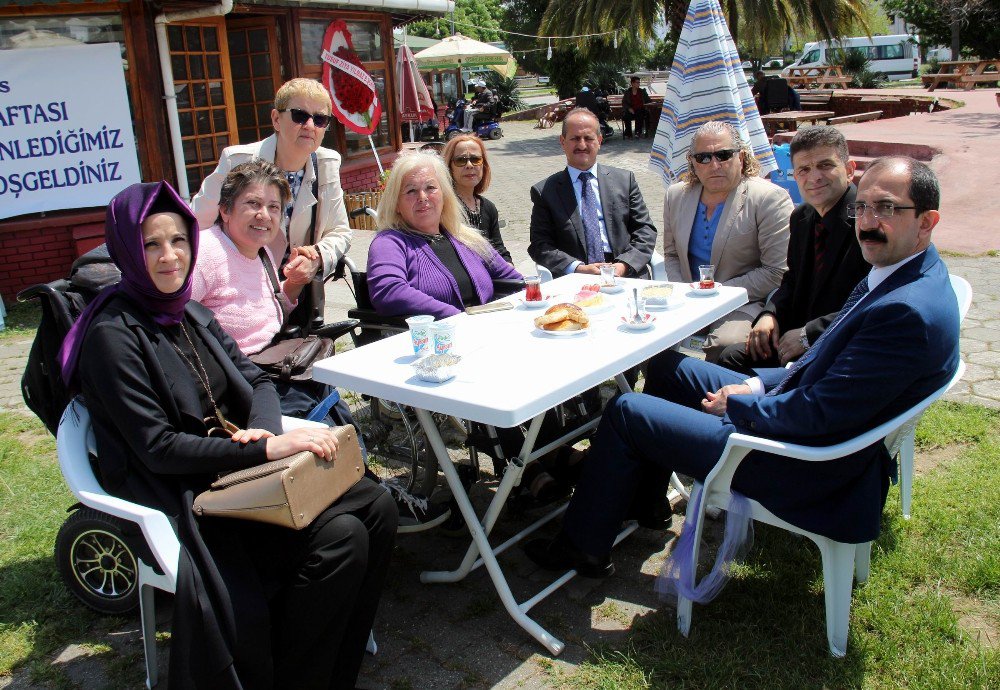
column 231, row 277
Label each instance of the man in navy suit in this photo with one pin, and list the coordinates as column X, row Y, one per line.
column 894, row 343
column 589, row 214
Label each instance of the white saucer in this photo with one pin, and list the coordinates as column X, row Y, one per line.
column 644, row 326
column 560, row 334
column 698, row 292
column 612, row 289
column 534, row 305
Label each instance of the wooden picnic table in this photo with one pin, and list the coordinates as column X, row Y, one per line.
column 790, row 119
column 964, row 72
column 815, row 77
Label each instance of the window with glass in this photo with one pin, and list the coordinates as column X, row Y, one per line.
column 61, row 30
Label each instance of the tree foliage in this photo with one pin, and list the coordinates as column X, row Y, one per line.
column 469, row 15
column 978, row 22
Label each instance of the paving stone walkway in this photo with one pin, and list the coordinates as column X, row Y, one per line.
column 459, row 636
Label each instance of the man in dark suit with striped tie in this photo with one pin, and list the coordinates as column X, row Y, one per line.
column 894, row 343
column 588, row 214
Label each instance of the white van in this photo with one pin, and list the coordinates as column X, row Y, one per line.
column 896, row 56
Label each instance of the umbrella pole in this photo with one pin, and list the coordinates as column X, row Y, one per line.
column 378, row 161
column 411, row 132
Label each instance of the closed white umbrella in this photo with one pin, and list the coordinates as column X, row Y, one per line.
column 706, row 83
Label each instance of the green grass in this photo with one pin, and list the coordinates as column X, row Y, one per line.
column 21, row 320
column 38, row 616
column 909, row 624
column 767, row 629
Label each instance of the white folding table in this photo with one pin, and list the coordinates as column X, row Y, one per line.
column 511, row 373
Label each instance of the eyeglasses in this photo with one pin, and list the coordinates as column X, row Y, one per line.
column 722, row 155
column 300, row 117
column 882, row 209
column 462, row 161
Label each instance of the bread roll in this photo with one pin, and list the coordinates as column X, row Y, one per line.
column 563, row 317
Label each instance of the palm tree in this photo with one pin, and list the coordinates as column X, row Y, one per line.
column 768, row 18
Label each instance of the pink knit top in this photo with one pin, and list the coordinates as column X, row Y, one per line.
column 237, row 290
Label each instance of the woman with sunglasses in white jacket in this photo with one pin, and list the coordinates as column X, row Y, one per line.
column 300, row 117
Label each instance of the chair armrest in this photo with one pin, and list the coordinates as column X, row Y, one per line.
column 504, row 287
column 336, row 329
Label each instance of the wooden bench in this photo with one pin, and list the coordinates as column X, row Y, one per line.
column 857, row 117
column 816, row 97
column 964, row 72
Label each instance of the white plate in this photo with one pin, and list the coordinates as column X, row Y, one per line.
column 673, row 302
column 534, row 305
column 560, row 334
column 612, row 289
column 599, row 308
column 698, row 292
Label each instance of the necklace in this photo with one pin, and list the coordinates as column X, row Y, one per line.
column 433, row 239
column 475, row 217
column 219, row 423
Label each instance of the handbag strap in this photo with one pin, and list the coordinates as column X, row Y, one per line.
column 315, row 190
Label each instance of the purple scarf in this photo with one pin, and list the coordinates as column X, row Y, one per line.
column 123, row 233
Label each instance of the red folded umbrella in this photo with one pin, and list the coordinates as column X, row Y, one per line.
column 413, row 99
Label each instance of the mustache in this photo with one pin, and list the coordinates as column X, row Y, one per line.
column 873, row 235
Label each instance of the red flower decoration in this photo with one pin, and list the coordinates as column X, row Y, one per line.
column 354, row 96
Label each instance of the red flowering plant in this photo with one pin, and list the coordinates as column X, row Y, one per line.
column 352, row 89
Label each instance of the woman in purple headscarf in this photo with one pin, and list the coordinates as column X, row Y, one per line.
column 257, row 606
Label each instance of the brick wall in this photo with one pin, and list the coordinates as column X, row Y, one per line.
column 34, row 255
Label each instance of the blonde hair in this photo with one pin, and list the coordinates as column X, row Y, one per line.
column 449, row 153
column 452, row 217
column 307, row 88
column 751, row 166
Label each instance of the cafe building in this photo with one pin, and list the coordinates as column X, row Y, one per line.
column 197, row 77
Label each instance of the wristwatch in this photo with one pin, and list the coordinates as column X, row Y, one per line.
column 804, row 339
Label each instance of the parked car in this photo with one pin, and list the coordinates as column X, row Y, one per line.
column 774, row 63
column 542, row 81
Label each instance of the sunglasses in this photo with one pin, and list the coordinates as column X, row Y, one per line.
column 300, row 117
column 722, row 155
column 462, row 161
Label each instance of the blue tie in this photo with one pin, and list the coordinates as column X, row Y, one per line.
column 860, row 290
column 591, row 225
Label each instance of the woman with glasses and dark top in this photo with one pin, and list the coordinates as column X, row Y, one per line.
column 300, row 118
column 425, row 259
column 175, row 403
column 466, row 158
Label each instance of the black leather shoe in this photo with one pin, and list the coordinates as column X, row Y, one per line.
column 560, row 554
column 658, row 516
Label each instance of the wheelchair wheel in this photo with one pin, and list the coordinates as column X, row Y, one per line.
column 397, row 447
column 96, row 563
column 496, row 133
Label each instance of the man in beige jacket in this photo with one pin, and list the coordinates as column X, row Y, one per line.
column 722, row 213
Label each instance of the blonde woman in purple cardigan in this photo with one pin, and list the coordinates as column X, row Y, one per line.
column 425, row 260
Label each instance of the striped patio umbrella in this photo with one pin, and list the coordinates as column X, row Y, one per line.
column 705, row 83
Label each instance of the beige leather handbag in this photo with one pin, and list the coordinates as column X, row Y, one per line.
column 289, row 492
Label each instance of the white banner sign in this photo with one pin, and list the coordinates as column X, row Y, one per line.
column 65, row 129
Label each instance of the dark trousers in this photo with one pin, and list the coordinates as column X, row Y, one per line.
column 735, row 357
column 642, row 438
column 641, row 118
column 322, row 584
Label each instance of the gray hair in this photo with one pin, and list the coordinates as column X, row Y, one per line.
column 751, row 166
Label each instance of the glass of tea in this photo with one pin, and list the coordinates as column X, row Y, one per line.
column 532, row 289
column 707, row 272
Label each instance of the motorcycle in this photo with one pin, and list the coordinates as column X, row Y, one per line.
column 488, row 129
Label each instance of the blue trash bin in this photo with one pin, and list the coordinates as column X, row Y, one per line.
column 783, row 176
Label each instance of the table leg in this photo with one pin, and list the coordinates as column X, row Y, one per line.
column 479, row 535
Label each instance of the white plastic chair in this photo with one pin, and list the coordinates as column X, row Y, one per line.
column 74, row 444
column 840, row 560
column 902, row 442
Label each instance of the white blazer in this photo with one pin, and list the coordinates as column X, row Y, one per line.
column 332, row 230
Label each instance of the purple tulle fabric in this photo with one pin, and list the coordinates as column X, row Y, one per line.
column 123, row 233
column 677, row 578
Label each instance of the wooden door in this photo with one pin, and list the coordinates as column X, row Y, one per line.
column 199, row 55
